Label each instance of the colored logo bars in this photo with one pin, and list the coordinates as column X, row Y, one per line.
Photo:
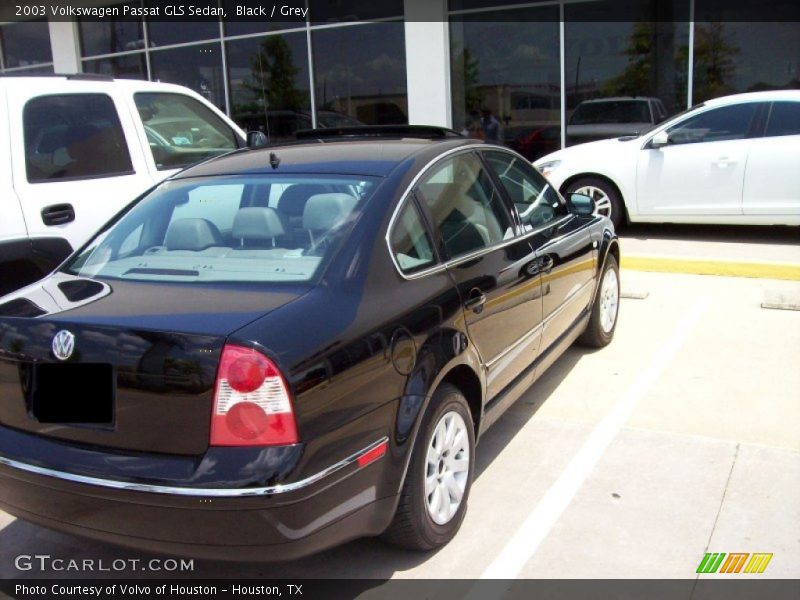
column 715, row 562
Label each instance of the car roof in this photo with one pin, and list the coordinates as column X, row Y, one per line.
column 341, row 156
column 81, row 82
column 619, row 99
column 769, row 96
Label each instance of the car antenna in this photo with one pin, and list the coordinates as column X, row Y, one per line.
column 274, row 161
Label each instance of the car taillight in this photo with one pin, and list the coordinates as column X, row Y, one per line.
column 251, row 402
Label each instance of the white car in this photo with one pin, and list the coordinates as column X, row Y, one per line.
column 731, row 160
column 75, row 150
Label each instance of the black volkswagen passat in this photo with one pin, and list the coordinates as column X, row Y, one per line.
column 283, row 349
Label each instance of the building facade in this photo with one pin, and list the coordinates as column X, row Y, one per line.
column 444, row 62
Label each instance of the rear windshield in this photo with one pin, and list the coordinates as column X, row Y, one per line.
column 613, row 111
column 260, row 228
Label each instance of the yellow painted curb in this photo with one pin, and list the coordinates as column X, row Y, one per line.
column 725, row 268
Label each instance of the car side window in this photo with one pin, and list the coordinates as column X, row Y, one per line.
column 784, row 119
column 535, row 199
column 180, row 130
column 719, row 124
column 73, row 136
column 465, row 207
column 410, row 242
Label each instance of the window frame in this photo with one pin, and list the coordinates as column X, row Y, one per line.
column 437, row 235
column 755, row 128
column 443, row 261
column 108, row 175
column 521, row 231
column 413, row 201
column 768, row 118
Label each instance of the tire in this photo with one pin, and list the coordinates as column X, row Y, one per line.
column 605, row 308
column 609, row 202
column 414, row 526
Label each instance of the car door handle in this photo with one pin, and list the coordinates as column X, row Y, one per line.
column 723, row 162
column 476, row 301
column 58, row 214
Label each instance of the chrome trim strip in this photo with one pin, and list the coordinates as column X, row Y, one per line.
column 520, row 342
column 194, row 492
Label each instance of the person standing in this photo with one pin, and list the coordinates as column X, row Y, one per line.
column 490, row 126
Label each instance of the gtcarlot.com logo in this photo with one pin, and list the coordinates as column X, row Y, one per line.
column 735, row 562
column 46, row 562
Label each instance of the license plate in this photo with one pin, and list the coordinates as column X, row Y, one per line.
column 73, row 393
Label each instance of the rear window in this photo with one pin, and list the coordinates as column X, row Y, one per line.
column 181, row 131
column 262, row 228
column 73, row 136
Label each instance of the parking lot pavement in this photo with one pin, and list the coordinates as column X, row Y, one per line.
column 631, row 461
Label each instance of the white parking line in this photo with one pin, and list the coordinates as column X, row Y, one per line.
column 523, row 545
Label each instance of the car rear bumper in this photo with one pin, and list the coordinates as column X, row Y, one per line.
column 349, row 499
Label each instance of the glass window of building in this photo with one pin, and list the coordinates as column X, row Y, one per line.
column 505, row 70
column 360, row 72
column 26, row 43
column 166, row 32
column 735, row 57
column 269, row 84
column 197, row 67
column 621, row 76
column 112, row 34
column 127, row 66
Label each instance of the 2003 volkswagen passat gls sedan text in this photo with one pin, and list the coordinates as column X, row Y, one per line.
column 282, row 349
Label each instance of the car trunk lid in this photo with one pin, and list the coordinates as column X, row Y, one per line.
column 142, row 367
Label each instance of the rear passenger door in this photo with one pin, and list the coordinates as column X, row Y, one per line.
column 772, row 176
column 72, row 166
column 494, row 271
column 563, row 245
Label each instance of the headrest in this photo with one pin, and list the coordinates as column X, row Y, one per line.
column 192, row 234
column 325, row 211
column 294, row 198
column 257, row 223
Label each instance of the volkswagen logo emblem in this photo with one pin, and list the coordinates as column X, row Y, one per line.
column 63, row 344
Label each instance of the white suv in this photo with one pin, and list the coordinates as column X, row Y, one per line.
column 74, row 150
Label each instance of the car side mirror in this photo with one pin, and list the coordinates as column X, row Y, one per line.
column 660, row 140
column 256, row 139
column 583, row 205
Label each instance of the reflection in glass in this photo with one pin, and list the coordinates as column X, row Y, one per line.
column 111, row 34
column 342, row 11
column 26, row 43
column 641, row 64
column 196, row 67
column 744, row 57
column 511, row 67
column 360, row 71
column 164, row 33
column 269, row 84
column 127, row 66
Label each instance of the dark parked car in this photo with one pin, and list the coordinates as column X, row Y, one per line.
column 283, row 349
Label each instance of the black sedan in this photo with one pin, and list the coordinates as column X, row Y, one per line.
column 286, row 348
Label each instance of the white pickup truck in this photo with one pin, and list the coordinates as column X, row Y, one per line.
column 76, row 149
